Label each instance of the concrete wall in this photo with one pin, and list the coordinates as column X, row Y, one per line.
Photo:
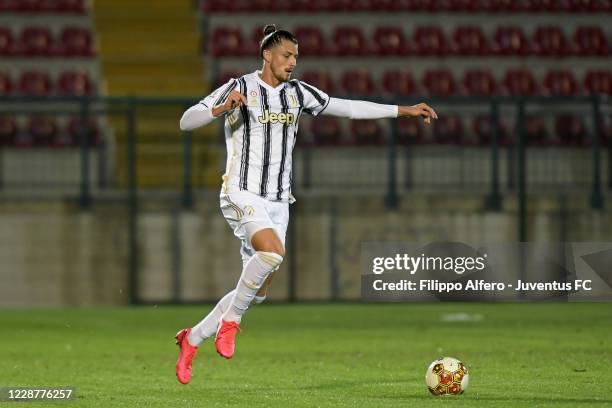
column 53, row 255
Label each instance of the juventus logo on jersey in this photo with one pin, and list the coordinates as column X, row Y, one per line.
column 272, row 117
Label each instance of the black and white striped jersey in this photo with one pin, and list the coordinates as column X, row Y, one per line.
column 260, row 136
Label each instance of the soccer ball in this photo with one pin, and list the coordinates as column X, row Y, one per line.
column 447, row 376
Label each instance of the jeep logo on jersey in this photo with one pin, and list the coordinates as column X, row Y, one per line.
column 271, row 117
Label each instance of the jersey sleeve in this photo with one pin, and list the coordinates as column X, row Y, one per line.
column 315, row 100
column 219, row 95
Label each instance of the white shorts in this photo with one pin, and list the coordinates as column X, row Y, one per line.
column 247, row 213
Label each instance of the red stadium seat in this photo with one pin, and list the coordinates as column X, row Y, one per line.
column 74, row 83
column 349, row 41
column 35, row 83
column 320, row 79
column 498, row 6
column 357, row 82
column 439, row 82
column 349, row 5
column 479, row 83
column 6, row 85
column 225, row 76
column 571, row 131
column 605, row 130
column 8, row 130
column 598, row 82
column 76, row 42
column 448, row 129
column 409, row 131
column 429, row 40
column 367, row 133
column 536, row 132
column 36, row 41
column 309, row 5
column 551, row 41
column 591, row 40
column 390, row 41
column 326, row 130
column 311, row 40
column 544, row 5
column 481, row 125
column 72, row 134
column 470, row 40
column 227, row 41
column 7, row 45
column 510, row 40
column 43, row 129
column 587, row 6
column 399, row 83
column 520, row 82
column 560, row 83
column 463, row 5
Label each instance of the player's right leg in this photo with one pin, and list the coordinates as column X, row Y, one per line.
column 269, row 252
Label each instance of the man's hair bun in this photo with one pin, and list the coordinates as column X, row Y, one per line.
column 269, row 29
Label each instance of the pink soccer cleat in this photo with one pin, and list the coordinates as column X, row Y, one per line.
column 186, row 356
column 225, row 341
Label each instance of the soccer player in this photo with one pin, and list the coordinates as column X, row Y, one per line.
column 262, row 110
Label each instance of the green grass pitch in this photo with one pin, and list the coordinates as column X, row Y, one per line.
column 318, row 355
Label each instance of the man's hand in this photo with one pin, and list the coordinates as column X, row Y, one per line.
column 422, row 109
column 234, row 100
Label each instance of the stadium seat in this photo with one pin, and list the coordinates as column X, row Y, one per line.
column 309, row 5
column 479, row 83
column 399, row 83
column 470, row 40
column 605, row 130
column 320, row 79
column 536, row 132
column 225, row 76
column 409, row 131
column 36, row 42
column 570, row 131
column 357, row 82
column 591, row 40
column 35, row 83
column 311, row 40
column 42, row 129
column 74, row 83
column 349, row 40
column 326, row 130
column 76, row 42
column 598, row 82
column 498, row 6
column 7, row 45
column 227, row 41
column 550, row 41
column 448, row 129
column 390, row 41
column 349, row 5
column 439, row 82
column 429, row 40
column 367, row 133
column 520, row 82
column 510, row 40
column 6, row 85
column 49, row 6
column 72, row 133
column 481, row 125
column 8, row 130
column 560, row 83
column 587, row 6
column 549, row 6
column 462, row 5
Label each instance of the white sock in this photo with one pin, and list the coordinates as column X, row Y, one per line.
column 208, row 326
column 255, row 272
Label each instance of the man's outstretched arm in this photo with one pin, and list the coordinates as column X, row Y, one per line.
column 348, row 108
column 200, row 115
